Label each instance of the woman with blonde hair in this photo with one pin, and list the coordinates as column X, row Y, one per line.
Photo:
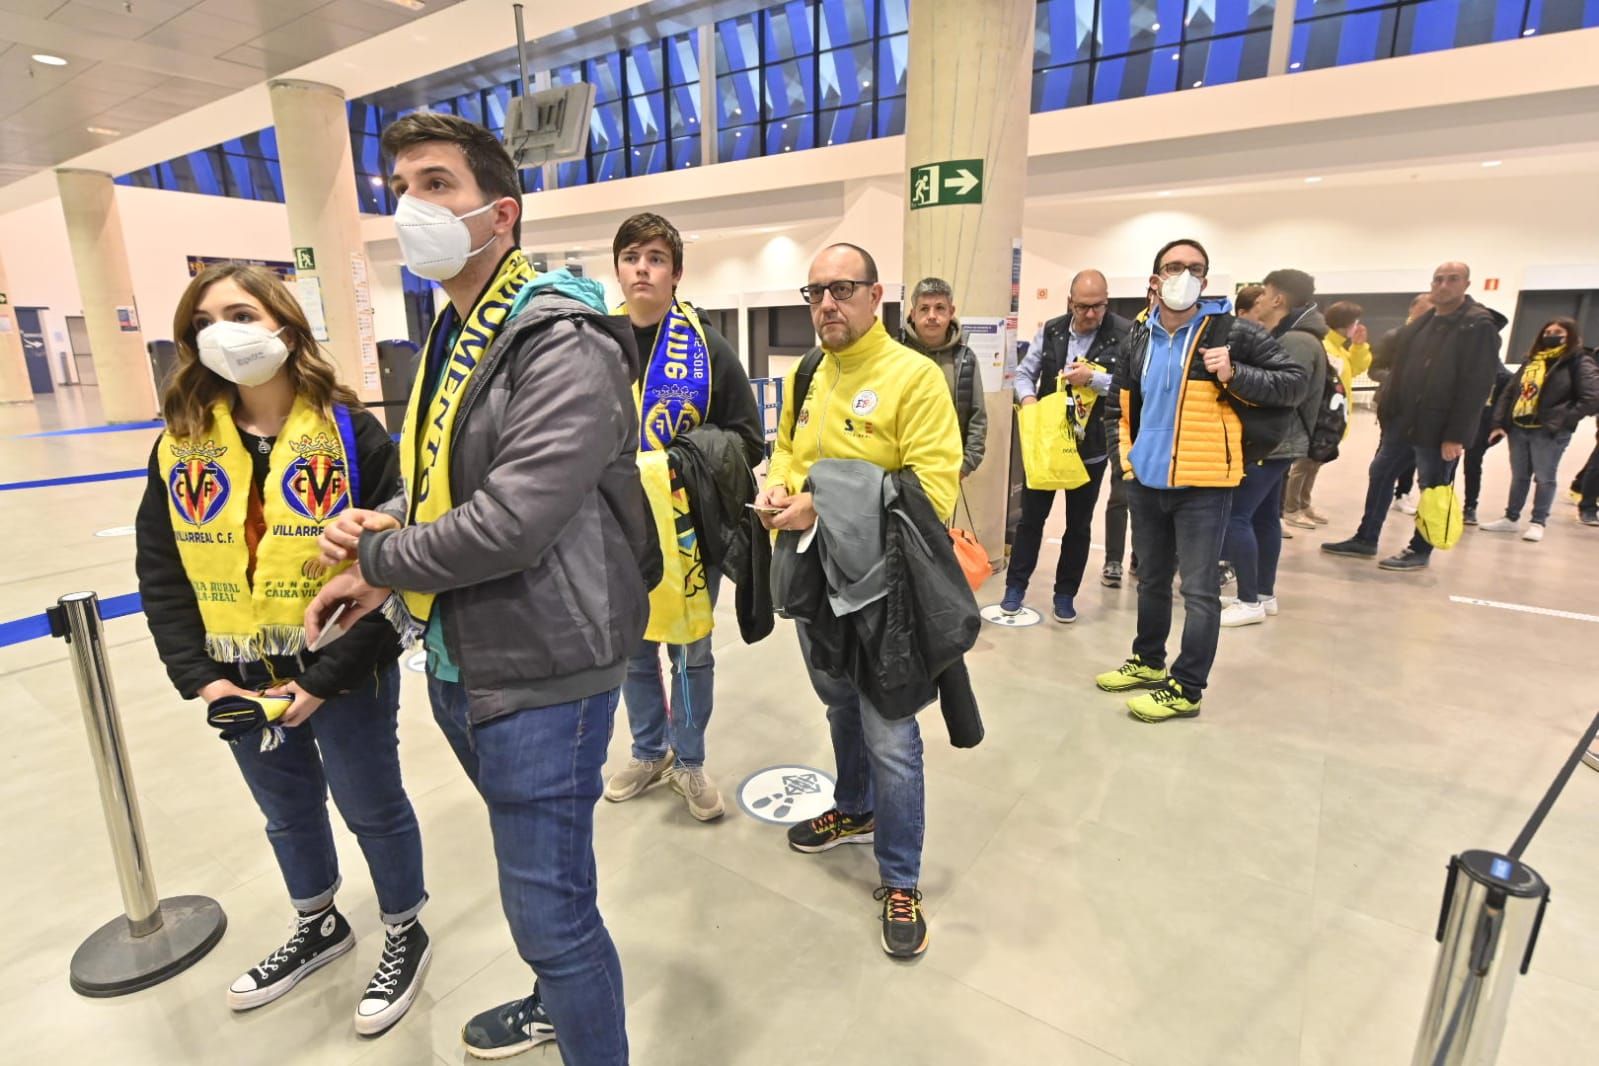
column 262, row 446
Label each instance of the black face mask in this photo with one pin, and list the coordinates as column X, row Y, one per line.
column 1552, row 340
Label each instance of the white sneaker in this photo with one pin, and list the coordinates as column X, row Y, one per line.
column 1270, row 603
column 1243, row 614
column 1534, row 532
column 1501, row 525
column 1406, row 504
column 704, row 799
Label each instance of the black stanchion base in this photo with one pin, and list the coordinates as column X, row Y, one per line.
column 114, row 962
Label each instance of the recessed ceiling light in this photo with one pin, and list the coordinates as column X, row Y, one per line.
column 1493, row 162
column 104, row 132
column 1197, row 84
column 409, row 5
column 1312, row 181
column 1529, row 31
column 49, row 60
column 1164, row 192
column 866, row 85
column 1295, row 66
column 1176, row 56
column 375, row 180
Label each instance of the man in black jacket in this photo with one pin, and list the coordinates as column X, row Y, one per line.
column 680, row 353
column 1443, row 366
column 1078, row 348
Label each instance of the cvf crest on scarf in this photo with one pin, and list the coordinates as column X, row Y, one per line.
column 675, row 389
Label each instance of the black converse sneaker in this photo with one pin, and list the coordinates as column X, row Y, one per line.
column 318, row 939
column 509, row 1029
column 406, row 951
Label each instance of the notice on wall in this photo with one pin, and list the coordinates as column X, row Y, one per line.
column 986, row 338
column 127, row 320
column 309, row 292
column 365, row 327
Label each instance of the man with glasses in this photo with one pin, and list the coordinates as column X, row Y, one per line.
column 1183, row 376
column 867, row 397
column 1077, row 349
column 1443, row 367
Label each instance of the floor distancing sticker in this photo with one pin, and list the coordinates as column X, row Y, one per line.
column 1025, row 617
column 784, row 795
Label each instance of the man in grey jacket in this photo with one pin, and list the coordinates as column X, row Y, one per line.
column 519, row 545
column 932, row 329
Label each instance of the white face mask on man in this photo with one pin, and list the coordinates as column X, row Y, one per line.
column 434, row 240
column 1180, row 291
column 242, row 352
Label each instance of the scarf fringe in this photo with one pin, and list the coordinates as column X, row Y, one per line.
column 399, row 616
column 252, row 647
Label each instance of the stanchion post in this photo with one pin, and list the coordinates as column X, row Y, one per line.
column 155, row 938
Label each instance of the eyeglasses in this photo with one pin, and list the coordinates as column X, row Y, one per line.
column 1091, row 309
column 1171, row 270
column 842, row 290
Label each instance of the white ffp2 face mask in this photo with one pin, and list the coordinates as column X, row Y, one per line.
column 435, row 241
column 1181, row 291
column 242, row 352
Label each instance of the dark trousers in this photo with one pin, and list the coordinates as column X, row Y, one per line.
column 1254, row 540
column 1474, row 456
column 1179, row 531
column 1116, row 511
column 1074, row 543
column 1587, row 483
column 1394, row 455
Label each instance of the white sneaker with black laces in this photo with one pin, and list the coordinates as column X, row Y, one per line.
column 393, row 988
column 318, row 939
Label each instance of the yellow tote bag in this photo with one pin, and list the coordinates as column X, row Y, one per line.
column 1440, row 517
column 680, row 606
column 1049, row 438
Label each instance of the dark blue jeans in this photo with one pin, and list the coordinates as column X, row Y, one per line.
column 880, row 771
column 1074, row 543
column 682, row 726
column 1254, row 540
column 539, row 772
column 1394, row 456
column 1179, row 531
column 351, row 747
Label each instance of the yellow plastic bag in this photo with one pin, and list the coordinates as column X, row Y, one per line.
column 680, row 606
column 1440, row 517
column 1049, row 438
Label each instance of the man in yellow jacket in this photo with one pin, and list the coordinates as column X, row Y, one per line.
column 1350, row 355
column 869, row 398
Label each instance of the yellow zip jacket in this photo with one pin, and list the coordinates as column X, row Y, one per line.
column 1352, row 360
column 879, row 401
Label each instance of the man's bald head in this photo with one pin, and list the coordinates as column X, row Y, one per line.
column 1087, row 300
column 1449, row 284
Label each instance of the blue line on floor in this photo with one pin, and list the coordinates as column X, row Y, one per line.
column 120, row 427
column 75, row 479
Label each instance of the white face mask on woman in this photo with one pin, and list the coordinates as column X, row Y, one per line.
column 1181, row 291
column 243, row 352
column 434, row 240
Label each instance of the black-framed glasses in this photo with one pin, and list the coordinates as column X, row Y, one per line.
column 842, row 290
column 1091, row 309
column 1171, row 270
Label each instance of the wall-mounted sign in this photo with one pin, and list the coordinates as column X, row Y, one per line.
column 948, row 184
column 127, row 320
column 304, row 259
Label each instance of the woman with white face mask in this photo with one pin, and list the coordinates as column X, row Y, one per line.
column 263, row 446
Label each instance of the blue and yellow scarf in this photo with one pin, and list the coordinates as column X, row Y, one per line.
column 675, row 387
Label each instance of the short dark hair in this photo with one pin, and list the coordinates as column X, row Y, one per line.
column 866, row 257
column 1169, row 245
column 1343, row 314
column 931, row 287
column 486, row 157
column 1297, row 285
column 644, row 228
column 1246, row 297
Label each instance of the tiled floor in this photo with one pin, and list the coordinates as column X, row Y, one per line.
column 1258, row 887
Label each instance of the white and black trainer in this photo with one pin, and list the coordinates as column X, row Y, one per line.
column 318, row 939
column 406, row 951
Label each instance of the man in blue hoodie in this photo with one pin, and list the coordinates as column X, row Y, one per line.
column 519, row 546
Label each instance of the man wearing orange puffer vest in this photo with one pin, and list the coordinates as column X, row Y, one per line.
column 1184, row 376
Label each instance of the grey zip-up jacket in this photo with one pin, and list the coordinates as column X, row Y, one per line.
column 537, row 565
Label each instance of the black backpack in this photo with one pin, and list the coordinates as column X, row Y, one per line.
column 1332, row 418
column 802, row 387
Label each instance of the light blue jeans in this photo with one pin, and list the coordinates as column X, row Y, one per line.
column 693, row 684
column 1534, row 456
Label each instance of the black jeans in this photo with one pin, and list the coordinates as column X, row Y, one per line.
column 1074, row 543
column 1474, row 456
column 1587, row 482
column 1179, row 531
column 1116, row 511
column 1394, row 454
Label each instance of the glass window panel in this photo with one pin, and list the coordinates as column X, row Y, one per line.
column 743, row 143
column 1130, row 25
column 738, row 43
column 1208, row 18
column 647, row 159
column 893, row 59
column 1439, row 24
column 269, row 175
column 738, row 98
column 605, row 128
column 532, row 179
column 1224, row 60
column 1062, row 87
column 846, row 76
column 790, row 89
column 609, row 166
column 266, row 142
column 846, row 124
column 893, row 16
column 683, row 58
column 1129, row 77
column 644, row 73
column 569, row 75
column 470, row 107
column 647, row 116
column 685, row 105
column 240, row 183
column 686, row 152
column 499, row 98
column 846, row 22
column 1062, row 32
column 1305, row 9
column 605, row 74
column 568, row 175
column 793, row 135
column 788, row 30
column 1555, row 16
column 891, row 117
column 1341, row 40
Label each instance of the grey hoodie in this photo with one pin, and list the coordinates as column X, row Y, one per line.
column 1300, row 334
column 949, row 356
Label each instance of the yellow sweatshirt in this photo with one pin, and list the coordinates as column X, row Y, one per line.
column 876, row 400
column 1352, row 360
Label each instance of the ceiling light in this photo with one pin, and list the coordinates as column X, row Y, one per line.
column 409, row 5
column 1197, row 84
column 1312, row 181
column 1164, row 192
column 49, row 60
column 1176, row 56
column 1295, row 66
column 102, row 131
column 866, row 85
column 375, row 180
column 1528, row 32
column 1493, row 162
column 1155, row 27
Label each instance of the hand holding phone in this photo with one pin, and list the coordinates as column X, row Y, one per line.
column 331, row 630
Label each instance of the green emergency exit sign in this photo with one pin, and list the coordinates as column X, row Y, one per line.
column 304, row 259
column 948, row 184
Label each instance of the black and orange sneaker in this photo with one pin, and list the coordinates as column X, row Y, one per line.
column 829, row 830
column 904, row 924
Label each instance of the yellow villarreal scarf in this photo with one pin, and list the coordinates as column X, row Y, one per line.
column 425, row 445
column 1532, row 377
column 311, row 477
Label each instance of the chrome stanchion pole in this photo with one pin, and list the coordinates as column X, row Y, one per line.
column 154, row 938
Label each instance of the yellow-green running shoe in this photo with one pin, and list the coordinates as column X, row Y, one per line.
column 1163, row 704
column 1130, row 675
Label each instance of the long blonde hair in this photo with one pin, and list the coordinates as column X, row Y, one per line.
column 194, row 389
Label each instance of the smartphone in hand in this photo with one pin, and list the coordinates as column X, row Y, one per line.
column 331, row 629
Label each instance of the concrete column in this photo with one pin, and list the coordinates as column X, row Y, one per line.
column 319, row 190
column 1282, row 38
column 970, row 89
column 14, row 386
column 105, row 285
column 709, row 122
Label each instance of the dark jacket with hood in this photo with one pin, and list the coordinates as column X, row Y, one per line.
column 1570, row 393
column 541, row 566
column 1300, row 333
column 1443, row 368
column 1103, row 349
column 959, row 364
column 720, row 485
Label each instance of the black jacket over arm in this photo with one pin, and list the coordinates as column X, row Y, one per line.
column 173, row 614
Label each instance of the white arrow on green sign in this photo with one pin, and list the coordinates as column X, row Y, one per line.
column 947, row 184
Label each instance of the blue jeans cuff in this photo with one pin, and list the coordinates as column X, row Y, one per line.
column 320, row 901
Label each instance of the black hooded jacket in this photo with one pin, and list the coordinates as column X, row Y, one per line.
column 1443, row 371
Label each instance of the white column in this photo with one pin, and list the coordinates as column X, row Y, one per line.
column 14, row 384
